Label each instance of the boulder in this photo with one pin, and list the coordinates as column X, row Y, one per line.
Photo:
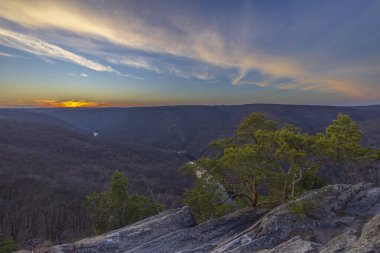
column 336, row 218
column 337, row 213
column 133, row 235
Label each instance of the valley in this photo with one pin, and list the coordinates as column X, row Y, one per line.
column 50, row 158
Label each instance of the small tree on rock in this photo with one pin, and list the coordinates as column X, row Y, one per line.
column 116, row 208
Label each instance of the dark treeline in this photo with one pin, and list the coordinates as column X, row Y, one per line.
column 190, row 128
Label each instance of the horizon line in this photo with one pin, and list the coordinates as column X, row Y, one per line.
column 182, row 105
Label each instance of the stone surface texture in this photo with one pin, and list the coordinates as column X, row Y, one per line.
column 339, row 218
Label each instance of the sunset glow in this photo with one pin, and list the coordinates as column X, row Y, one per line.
column 67, row 104
column 192, row 52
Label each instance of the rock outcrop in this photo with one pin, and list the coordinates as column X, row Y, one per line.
column 338, row 218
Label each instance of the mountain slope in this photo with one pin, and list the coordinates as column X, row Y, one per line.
column 46, row 169
column 189, row 129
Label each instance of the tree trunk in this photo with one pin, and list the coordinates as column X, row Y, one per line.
column 293, row 186
column 295, row 181
column 284, row 191
column 286, row 185
column 254, row 194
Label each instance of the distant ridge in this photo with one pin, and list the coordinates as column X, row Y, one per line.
column 189, row 128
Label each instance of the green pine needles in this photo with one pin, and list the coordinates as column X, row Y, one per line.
column 266, row 165
column 116, row 208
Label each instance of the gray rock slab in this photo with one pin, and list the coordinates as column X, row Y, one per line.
column 342, row 218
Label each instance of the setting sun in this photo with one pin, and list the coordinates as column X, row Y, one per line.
column 75, row 104
column 67, row 103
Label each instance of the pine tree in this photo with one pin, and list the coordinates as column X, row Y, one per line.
column 115, row 208
column 266, row 165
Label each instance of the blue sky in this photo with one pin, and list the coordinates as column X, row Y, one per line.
column 138, row 53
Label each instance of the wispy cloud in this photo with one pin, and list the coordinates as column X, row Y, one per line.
column 183, row 39
column 8, row 55
column 83, row 75
column 45, row 49
column 203, row 45
column 185, row 68
column 131, row 61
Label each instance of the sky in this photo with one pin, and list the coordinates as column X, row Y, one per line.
column 150, row 52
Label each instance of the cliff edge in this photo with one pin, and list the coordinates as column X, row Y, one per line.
column 336, row 218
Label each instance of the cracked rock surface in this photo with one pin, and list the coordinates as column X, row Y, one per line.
column 341, row 218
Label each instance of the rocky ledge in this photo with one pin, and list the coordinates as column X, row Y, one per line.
column 338, row 218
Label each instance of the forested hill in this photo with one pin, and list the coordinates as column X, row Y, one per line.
column 189, row 129
column 47, row 168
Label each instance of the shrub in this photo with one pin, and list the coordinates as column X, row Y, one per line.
column 300, row 208
column 7, row 245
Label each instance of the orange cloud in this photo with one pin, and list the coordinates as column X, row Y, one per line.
column 68, row 104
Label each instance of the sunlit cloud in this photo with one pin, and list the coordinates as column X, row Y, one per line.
column 42, row 48
column 204, row 45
